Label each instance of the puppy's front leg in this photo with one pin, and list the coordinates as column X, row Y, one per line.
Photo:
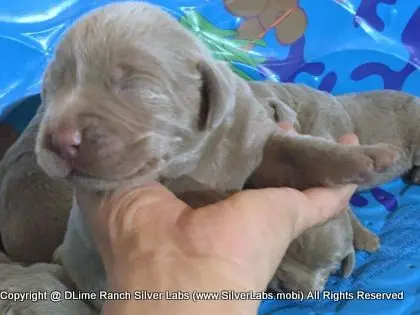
column 302, row 161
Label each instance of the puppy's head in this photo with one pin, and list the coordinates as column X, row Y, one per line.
column 128, row 95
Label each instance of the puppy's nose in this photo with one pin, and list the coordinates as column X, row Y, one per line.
column 65, row 141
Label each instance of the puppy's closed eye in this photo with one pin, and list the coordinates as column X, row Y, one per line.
column 101, row 141
column 124, row 77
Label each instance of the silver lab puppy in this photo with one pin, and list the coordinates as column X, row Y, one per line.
column 35, row 290
column 132, row 96
column 34, row 208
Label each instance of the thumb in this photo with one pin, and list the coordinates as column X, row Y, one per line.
column 288, row 211
column 329, row 202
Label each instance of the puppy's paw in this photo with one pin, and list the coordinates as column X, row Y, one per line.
column 383, row 156
column 302, row 282
column 367, row 241
column 366, row 162
column 315, row 284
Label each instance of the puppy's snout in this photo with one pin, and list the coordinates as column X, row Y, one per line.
column 65, row 140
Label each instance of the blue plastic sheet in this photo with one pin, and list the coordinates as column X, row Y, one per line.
column 335, row 45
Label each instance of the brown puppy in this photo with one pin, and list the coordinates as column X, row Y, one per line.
column 286, row 17
column 147, row 101
column 33, row 207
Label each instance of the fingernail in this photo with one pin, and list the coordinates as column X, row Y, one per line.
column 349, row 139
column 287, row 126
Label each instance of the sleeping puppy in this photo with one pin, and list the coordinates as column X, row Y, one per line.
column 146, row 100
column 37, row 282
column 33, row 207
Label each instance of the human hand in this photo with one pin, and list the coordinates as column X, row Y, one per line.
column 150, row 240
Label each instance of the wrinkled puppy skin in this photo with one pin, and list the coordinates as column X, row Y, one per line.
column 39, row 277
column 132, row 96
column 33, row 207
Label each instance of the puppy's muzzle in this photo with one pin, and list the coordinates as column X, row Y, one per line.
column 58, row 150
column 64, row 141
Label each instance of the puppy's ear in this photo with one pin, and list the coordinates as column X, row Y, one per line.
column 218, row 93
